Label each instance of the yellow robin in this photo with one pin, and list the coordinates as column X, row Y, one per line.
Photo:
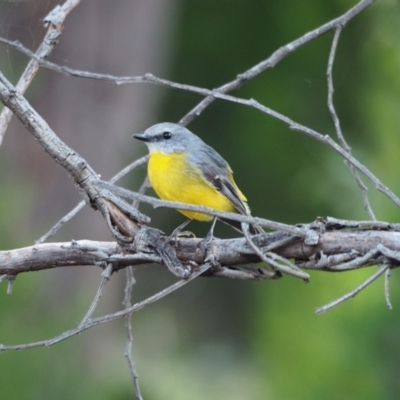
column 183, row 168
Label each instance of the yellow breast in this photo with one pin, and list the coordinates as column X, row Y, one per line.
column 174, row 179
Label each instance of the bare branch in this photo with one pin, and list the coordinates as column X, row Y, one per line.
column 364, row 247
column 270, row 62
column 303, row 232
column 130, row 281
column 339, row 133
column 10, row 286
column 122, row 219
column 105, row 277
column 55, row 228
column 142, row 190
column 81, row 204
column 331, row 90
column 270, row 258
column 387, row 291
column 110, row 317
column 388, row 263
column 353, row 293
column 54, row 22
column 212, row 94
column 328, row 244
column 321, row 138
column 335, row 223
column 277, row 56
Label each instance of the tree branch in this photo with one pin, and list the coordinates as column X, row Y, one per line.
column 276, row 57
column 110, row 317
column 123, row 220
column 334, row 248
column 54, row 21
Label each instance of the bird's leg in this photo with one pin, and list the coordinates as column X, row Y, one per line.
column 204, row 244
column 174, row 235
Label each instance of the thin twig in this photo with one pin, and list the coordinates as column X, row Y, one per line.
column 130, row 281
column 55, row 228
column 331, row 222
column 105, row 277
column 339, row 133
column 287, row 267
column 270, row 62
column 11, row 281
column 129, row 168
column 325, row 139
column 331, row 106
column 327, row 263
column 142, row 190
column 54, row 21
column 355, row 263
column 387, row 290
column 111, row 317
column 82, row 203
column 276, row 57
column 353, row 293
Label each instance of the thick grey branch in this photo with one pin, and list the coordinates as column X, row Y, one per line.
column 339, row 245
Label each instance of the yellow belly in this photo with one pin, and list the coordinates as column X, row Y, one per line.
column 172, row 179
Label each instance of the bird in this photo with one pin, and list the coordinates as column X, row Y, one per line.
column 183, row 168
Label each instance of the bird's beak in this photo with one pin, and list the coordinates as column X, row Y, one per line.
column 141, row 136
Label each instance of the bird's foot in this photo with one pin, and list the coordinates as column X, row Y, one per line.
column 204, row 245
column 178, row 232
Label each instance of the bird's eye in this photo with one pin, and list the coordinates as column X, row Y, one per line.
column 167, row 135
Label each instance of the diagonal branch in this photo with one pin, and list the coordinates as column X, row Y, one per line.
column 110, row 317
column 250, row 103
column 277, row 56
column 123, row 220
column 54, row 21
column 81, row 204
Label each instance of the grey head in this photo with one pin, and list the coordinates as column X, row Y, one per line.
column 168, row 138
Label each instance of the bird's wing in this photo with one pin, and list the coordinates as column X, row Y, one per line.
column 218, row 173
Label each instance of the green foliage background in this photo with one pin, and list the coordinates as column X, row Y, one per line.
column 223, row 339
